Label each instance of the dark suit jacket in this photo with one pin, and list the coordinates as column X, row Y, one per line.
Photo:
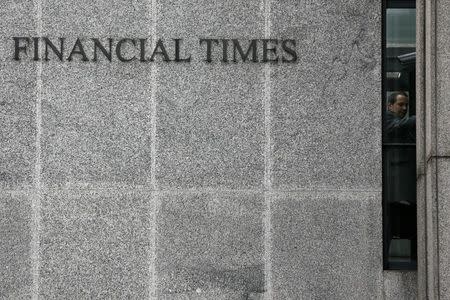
column 399, row 130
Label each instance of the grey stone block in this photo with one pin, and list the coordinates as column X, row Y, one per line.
column 119, row 18
column 442, row 105
column 7, row 50
column 96, row 244
column 96, row 123
column 18, row 130
column 442, row 112
column 420, row 89
column 443, row 213
column 326, row 245
column 199, row 19
column 203, row 18
column 217, row 294
column 443, row 131
column 432, row 248
column 210, row 126
column 421, row 237
column 400, row 285
column 18, row 18
column 210, row 244
column 326, row 107
column 430, row 127
column 210, row 116
column 328, row 28
column 442, row 32
column 15, row 235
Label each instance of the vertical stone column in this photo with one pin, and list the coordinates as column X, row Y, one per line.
column 434, row 185
column 421, row 158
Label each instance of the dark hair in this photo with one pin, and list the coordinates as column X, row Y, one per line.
column 393, row 97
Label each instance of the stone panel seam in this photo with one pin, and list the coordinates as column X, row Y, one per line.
column 275, row 194
column 437, row 157
column 430, row 247
column 437, row 225
column 430, row 98
column 208, row 191
column 200, row 190
column 153, row 102
column 430, row 75
column 268, row 161
column 435, row 76
column 24, row 188
column 153, row 293
column 438, row 231
column 37, row 193
column 435, row 113
column 420, row 85
column 324, row 190
column 148, row 189
column 153, row 282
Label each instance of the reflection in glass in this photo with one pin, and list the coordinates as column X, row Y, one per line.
column 399, row 141
column 401, row 27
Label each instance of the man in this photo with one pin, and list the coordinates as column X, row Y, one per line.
column 400, row 173
column 397, row 127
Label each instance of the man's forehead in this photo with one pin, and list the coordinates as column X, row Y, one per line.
column 401, row 98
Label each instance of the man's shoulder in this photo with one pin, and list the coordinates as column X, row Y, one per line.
column 389, row 117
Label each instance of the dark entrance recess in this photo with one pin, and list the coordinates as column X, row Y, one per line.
column 399, row 152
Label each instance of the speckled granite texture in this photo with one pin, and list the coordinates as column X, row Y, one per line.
column 443, row 183
column 15, row 222
column 400, row 285
column 193, row 180
column 343, row 229
column 210, row 241
column 433, row 45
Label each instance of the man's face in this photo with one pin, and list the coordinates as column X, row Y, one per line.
column 400, row 106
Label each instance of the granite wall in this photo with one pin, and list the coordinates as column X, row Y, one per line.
column 194, row 180
column 433, row 179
